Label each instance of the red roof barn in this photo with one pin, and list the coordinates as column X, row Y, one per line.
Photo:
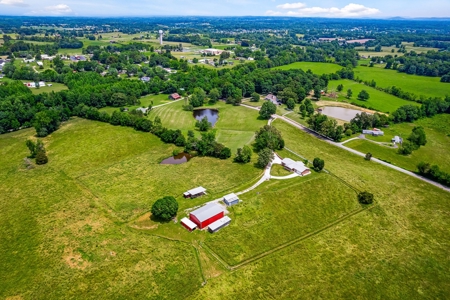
column 206, row 215
column 174, row 96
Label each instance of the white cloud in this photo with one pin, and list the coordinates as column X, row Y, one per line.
column 291, row 5
column 59, row 9
column 13, row 2
column 350, row 10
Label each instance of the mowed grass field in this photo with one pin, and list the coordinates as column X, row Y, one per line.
column 145, row 102
column 378, row 100
column 315, row 67
column 436, row 151
column 398, row 249
column 304, row 204
column 58, row 239
column 418, row 85
column 235, row 128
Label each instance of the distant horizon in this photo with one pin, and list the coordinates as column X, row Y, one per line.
column 382, row 9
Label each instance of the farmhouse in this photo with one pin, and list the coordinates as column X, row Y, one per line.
column 231, row 199
column 145, row 79
column 206, row 215
column 188, row 224
column 397, row 140
column 295, row 166
column 174, row 96
column 272, row 98
column 219, row 224
column 40, row 63
column 194, row 193
column 144, row 110
column 212, row 51
column 374, row 132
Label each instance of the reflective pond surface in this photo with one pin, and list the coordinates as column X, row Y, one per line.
column 176, row 160
column 340, row 113
column 211, row 114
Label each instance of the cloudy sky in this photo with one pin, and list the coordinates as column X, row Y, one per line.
column 307, row 8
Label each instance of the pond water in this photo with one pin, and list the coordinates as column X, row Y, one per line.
column 340, row 113
column 177, row 159
column 211, row 114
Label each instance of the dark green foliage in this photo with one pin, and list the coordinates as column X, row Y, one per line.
column 198, row 97
column 365, row 198
column 255, row 97
column 363, row 95
column 349, row 93
column 243, row 155
column 364, row 121
column 32, row 147
column 418, row 137
column 264, row 157
column 165, row 208
column 368, row 156
column 434, row 173
column 340, row 87
column 268, row 137
column 45, row 122
column 326, row 126
column 267, row 110
column 406, row 148
column 290, row 103
column 203, row 125
column 318, row 164
column 41, row 158
column 214, row 95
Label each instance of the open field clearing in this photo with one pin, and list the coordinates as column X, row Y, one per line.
column 235, row 127
column 396, row 250
column 304, row 204
column 378, row 100
column 315, row 67
column 436, row 151
column 58, row 242
column 388, row 50
column 145, row 102
column 418, row 85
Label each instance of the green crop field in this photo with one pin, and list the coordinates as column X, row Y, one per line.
column 304, row 204
column 436, row 151
column 235, row 128
column 396, row 250
column 317, row 68
column 378, row 100
column 418, row 85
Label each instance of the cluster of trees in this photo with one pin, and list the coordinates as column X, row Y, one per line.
column 165, row 208
column 267, row 140
column 318, row 164
column 429, row 108
column 416, row 139
column 434, row 173
column 431, row 63
column 326, row 126
column 243, row 155
column 206, row 145
column 364, row 121
column 37, row 151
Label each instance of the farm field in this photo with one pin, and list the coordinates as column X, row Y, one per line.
column 145, row 102
column 436, row 151
column 304, row 203
column 235, row 128
column 388, row 50
column 378, row 100
column 419, row 85
column 315, row 67
column 56, row 87
column 58, row 240
column 387, row 251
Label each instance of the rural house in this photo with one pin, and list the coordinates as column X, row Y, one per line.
column 231, row 199
column 206, row 215
column 295, row 166
column 272, row 98
column 174, row 96
column 374, row 132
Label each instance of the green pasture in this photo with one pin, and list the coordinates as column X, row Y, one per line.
column 145, row 102
column 418, row 85
column 378, row 100
column 436, row 151
column 317, row 68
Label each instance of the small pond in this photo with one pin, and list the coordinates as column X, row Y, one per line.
column 177, row 159
column 211, row 114
column 340, row 113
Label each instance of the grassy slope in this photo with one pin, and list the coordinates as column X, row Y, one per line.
column 419, row 85
column 145, row 102
column 397, row 250
column 317, row 68
column 378, row 100
column 436, row 151
column 57, row 241
column 304, row 204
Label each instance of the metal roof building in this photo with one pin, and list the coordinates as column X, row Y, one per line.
column 295, row 166
column 206, row 215
column 188, row 224
column 231, row 199
column 219, row 224
column 197, row 192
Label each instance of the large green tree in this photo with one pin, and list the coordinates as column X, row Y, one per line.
column 198, row 97
column 268, row 137
column 267, row 110
column 264, row 157
column 45, row 122
column 165, row 208
column 243, row 155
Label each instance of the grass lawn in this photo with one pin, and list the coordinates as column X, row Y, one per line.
column 436, row 151
column 378, row 100
column 315, row 67
column 235, row 128
column 304, row 204
column 145, row 102
column 418, row 85
column 56, row 87
column 279, row 170
column 397, row 250
column 57, row 239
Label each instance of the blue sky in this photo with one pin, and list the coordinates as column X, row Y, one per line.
column 316, row 8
